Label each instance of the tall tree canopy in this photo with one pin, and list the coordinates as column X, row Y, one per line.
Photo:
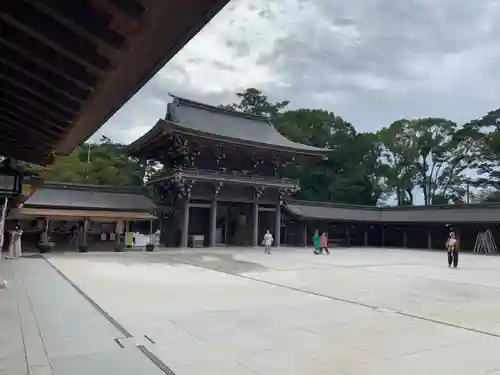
column 431, row 157
column 428, row 154
column 353, row 172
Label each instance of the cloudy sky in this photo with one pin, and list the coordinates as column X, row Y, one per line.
column 369, row 61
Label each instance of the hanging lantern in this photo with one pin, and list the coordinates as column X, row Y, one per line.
column 10, row 180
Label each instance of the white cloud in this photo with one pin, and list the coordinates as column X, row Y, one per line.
column 371, row 61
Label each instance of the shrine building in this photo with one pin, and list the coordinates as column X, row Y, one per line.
column 222, row 181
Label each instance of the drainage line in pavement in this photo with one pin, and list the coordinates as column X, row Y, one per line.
column 108, row 317
column 157, row 361
column 408, row 315
column 430, row 320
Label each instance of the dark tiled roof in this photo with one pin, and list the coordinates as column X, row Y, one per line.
column 325, row 211
column 231, row 124
column 60, row 195
column 474, row 213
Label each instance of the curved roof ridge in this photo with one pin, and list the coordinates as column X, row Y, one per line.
column 208, row 107
column 231, row 124
column 223, row 124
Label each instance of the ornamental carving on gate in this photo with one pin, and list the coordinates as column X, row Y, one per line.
column 258, row 192
column 217, row 188
column 178, row 178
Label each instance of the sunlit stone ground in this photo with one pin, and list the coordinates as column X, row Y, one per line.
column 358, row 311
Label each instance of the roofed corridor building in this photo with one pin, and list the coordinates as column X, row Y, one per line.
column 111, row 211
column 222, row 182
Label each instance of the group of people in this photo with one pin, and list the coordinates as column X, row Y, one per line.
column 320, row 243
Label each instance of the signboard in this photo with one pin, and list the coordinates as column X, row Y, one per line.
column 129, row 239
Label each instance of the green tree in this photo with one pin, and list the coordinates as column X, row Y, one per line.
column 254, row 101
column 442, row 159
column 314, row 127
column 106, row 164
column 429, row 153
column 400, row 156
column 484, row 134
column 100, row 163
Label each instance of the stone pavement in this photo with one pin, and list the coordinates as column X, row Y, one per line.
column 48, row 328
column 357, row 311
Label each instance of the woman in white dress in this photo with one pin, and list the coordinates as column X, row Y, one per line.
column 268, row 241
column 15, row 242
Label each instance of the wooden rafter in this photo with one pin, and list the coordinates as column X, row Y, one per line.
column 66, row 66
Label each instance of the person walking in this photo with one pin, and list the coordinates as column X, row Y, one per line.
column 452, row 249
column 323, row 243
column 268, row 241
column 15, row 250
column 316, row 242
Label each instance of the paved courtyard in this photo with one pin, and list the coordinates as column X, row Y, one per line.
column 357, row 311
column 237, row 311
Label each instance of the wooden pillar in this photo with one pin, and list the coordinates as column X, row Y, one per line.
column 304, row 234
column 160, row 224
column 429, row 238
column 213, row 221
column 277, row 224
column 185, row 223
column 383, row 235
column 125, row 231
column 47, row 223
column 151, row 231
column 118, row 231
column 226, row 227
column 84, row 234
column 255, row 223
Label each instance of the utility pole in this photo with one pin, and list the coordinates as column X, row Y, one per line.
column 88, row 162
column 468, row 191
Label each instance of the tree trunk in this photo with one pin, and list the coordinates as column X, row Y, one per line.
column 410, row 196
